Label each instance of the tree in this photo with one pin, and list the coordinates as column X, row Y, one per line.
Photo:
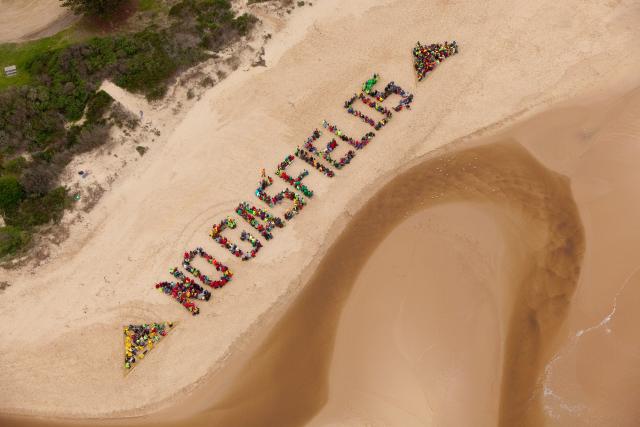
column 94, row 8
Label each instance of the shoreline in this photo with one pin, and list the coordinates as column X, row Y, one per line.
column 310, row 257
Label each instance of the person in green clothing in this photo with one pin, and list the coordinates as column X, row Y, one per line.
column 369, row 84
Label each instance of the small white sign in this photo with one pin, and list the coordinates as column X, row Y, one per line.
column 11, row 70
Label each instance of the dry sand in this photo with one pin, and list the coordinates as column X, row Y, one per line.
column 61, row 345
column 22, row 20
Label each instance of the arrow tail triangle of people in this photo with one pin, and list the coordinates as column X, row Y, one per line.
column 139, row 340
column 427, row 57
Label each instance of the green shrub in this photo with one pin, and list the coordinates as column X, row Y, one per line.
column 41, row 210
column 91, row 135
column 123, row 118
column 94, row 8
column 98, row 105
column 244, row 23
column 150, row 65
column 45, row 155
column 148, row 5
column 11, row 193
column 38, row 179
column 14, row 166
column 12, row 239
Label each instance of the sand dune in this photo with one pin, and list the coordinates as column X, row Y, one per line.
column 66, row 361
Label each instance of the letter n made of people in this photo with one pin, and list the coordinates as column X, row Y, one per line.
column 184, row 291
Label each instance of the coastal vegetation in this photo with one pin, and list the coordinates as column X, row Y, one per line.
column 98, row 8
column 41, row 110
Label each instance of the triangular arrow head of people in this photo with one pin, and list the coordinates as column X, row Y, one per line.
column 141, row 339
column 427, row 57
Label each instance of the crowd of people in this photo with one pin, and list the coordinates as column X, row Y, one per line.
column 255, row 243
column 340, row 134
column 294, row 182
column 427, row 57
column 226, row 273
column 251, row 213
column 406, row 98
column 376, row 125
column 326, row 153
column 230, row 223
column 286, row 194
column 367, row 87
column 184, row 291
column 140, row 339
column 311, row 160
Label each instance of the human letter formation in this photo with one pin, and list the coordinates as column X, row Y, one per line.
column 186, row 290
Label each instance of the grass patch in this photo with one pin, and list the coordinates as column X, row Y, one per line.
column 21, row 54
column 147, row 5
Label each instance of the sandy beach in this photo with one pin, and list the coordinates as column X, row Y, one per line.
column 32, row 19
column 532, row 222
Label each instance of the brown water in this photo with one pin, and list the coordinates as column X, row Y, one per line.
column 286, row 380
